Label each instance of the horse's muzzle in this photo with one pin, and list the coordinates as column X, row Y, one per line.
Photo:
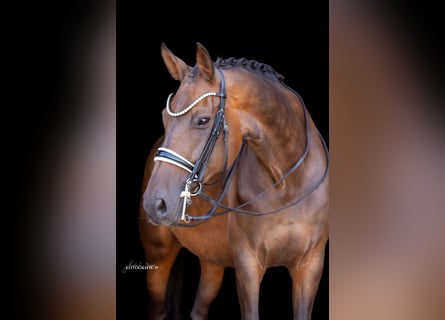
column 160, row 210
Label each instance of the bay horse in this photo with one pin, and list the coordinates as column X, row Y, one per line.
column 240, row 179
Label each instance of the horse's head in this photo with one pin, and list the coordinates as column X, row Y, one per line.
column 197, row 149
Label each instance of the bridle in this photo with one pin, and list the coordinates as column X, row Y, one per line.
column 194, row 182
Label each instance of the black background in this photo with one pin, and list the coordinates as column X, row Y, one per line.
column 294, row 41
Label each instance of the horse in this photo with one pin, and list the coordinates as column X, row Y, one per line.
column 241, row 179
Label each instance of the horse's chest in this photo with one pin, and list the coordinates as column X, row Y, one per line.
column 280, row 242
column 207, row 243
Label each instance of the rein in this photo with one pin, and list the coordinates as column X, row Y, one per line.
column 194, row 182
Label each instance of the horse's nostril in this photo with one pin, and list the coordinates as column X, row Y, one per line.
column 160, row 207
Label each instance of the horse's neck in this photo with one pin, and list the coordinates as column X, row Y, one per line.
column 254, row 177
column 280, row 142
column 277, row 132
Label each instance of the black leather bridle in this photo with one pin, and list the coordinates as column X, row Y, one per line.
column 194, row 182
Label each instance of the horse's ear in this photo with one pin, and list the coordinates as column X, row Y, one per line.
column 204, row 62
column 175, row 66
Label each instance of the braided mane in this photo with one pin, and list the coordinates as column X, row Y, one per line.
column 250, row 65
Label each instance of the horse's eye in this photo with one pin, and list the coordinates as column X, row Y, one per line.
column 202, row 122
